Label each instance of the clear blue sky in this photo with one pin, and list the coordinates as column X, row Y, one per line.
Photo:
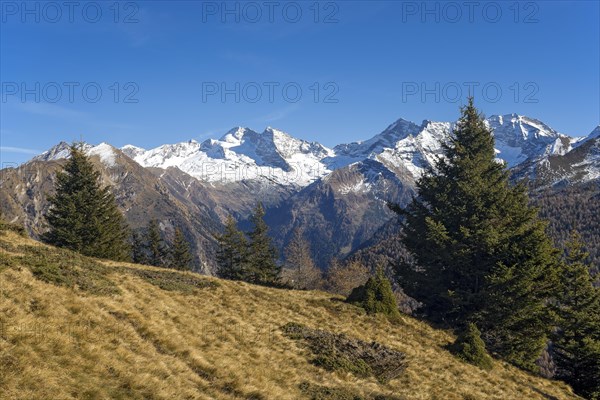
column 375, row 58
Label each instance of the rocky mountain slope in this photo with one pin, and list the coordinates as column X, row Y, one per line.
column 126, row 331
column 336, row 196
column 142, row 193
column 581, row 164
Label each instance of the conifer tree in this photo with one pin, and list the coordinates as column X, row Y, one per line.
column 576, row 344
column 83, row 216
column 180, row 255
column 376, row 296
column 481, row 251
column 302, row 272
column 232, row 252
column 262, row 264
column 139, row 249
column 156, row 246
column 470, row 347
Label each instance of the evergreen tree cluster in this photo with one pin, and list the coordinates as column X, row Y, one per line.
column 576, row 341
column 83, row 216
column 150, row 248
column 248, row 257
column 482, row 262
column 574, row 207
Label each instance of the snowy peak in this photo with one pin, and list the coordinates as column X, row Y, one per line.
column 242, row 154
column 410, row 148
column 168, row 155
column 132, row 151
column 595, row 134
column 275, row 156
column 388, row 139
column 236, row 135
column 104, row 151
column 58, row 152
column 289, row 146
column 519, row 138
column 417, row 148
column 528, row 128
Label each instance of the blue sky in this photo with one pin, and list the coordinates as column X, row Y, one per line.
column 170, row 72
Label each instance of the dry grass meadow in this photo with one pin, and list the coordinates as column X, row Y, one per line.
column 78, row 328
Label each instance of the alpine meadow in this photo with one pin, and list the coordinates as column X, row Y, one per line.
column 151, row 253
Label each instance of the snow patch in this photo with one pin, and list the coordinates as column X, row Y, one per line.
column 106, row 153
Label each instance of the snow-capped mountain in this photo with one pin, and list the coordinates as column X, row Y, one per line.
column 274, row 156
column 241, row 154
column 579, row 164
column 519, row 138
column 105, row 151
column 409, row 147
column 57, row 152
column 337, row 196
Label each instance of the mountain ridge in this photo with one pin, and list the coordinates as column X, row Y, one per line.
column 244, row 154
column 336, row 196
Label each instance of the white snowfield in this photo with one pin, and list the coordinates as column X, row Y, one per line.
column 275, row 156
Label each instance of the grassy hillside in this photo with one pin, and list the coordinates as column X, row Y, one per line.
column 77, row 328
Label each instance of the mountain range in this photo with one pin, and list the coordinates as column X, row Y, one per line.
column 336, row 196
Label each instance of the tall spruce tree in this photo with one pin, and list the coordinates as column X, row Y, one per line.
column 180, row 256
column 262, row 264
column 232, row 252
column 482, row 254
column 576, row 342
column 138, row 249
column 156, row 246
column 83, row 216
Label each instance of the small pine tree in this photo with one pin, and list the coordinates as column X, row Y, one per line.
column 577, row 340
column 156, row 246
column 83, row 216
column 301, row 271
column 376, row 296
column 262, row 258
column 232, row 252
column 470, row 347
column 180, row 255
